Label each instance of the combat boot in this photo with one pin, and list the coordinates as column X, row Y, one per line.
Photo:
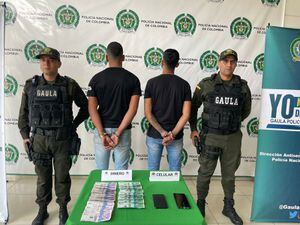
column 230, row 212
column 63, row 215
column 201, row 206
column 41, row 216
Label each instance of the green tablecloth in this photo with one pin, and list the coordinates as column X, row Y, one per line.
column 149, row 215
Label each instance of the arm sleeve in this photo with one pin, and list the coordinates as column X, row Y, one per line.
column 196, row 103
column 91, row 88
column 188, row 95
column 81, row 101
column 248, row 102
column 137, row 88
column 23, row 120
column 147, row 93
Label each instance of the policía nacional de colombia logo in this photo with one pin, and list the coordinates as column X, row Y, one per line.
column 67, row 16
column 32, row 49
column 240, row 28
column 270, row 2
column 10, row 86
column 258, row 64
column 89, row 125
column 252, row 127
column 11, row 154
column 209, row 61
column 184, row 157
column 96, row 55
column 153, row 58
column 127, row 21
column 144, row 125
column 199, row 124
column 131, row 156
column 10, row 13
column 295, row 49
column 185, row 25
column 74, row 159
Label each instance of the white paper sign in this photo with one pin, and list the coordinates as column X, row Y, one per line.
column 164, row 176
column 116, row 175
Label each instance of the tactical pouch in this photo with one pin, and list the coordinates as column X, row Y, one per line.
column 28, row 149
column 214, row 120
column 212, row 152
column 46, row 118
column 41, row 159
column 226, row 120
column 75, row 145
column 36, row 117
column 57, row 115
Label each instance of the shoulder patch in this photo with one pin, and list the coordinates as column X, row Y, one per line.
column 28, row 81
column 206, row 79
column 70, row 80
column 237, row 76
column 243, row 81
column 213, row 76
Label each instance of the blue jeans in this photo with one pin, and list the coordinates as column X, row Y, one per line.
column 155, row 148
column 121, row 152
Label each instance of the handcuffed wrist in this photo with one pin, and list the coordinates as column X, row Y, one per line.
column 103, row 134
column 164, row 134
column 172, row 134
column 118, row 135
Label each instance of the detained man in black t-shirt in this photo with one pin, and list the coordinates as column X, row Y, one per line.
column 167, row 108
column 113, row 101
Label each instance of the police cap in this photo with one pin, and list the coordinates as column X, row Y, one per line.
column 228, row 52
column 51, row 52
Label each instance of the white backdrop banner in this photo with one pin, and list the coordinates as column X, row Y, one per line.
column 198, row 29
column 3, row 196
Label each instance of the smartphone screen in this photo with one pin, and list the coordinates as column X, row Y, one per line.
column 181, row 201
column 159, row 201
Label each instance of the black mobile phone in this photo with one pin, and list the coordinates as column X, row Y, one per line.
column 181, row 201
column 159, row 201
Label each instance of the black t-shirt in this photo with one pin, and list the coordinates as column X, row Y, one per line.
column 113, row 88
column 167, row 93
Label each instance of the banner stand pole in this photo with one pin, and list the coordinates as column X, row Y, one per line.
column 3, row 198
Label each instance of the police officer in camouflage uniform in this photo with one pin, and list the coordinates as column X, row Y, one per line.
column 226, row 100
column 47, row 126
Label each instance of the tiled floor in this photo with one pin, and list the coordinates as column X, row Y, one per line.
column 22, row 209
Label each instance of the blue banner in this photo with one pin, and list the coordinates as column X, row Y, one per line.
column 276, row 196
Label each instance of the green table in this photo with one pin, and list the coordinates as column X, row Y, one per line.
column 150, row 215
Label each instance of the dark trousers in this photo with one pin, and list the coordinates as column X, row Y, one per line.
column 61, row 162
column 230, row 159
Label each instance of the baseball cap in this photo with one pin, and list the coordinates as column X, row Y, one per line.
column 51, row 52
column 228, row 52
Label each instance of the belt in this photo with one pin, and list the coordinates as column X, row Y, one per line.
column 44, row 132
column 217, row 131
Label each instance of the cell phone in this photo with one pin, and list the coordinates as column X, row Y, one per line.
column 159, row 201
column 181, row 201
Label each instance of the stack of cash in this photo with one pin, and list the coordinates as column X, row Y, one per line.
column 131, row 195
column 101, row 202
